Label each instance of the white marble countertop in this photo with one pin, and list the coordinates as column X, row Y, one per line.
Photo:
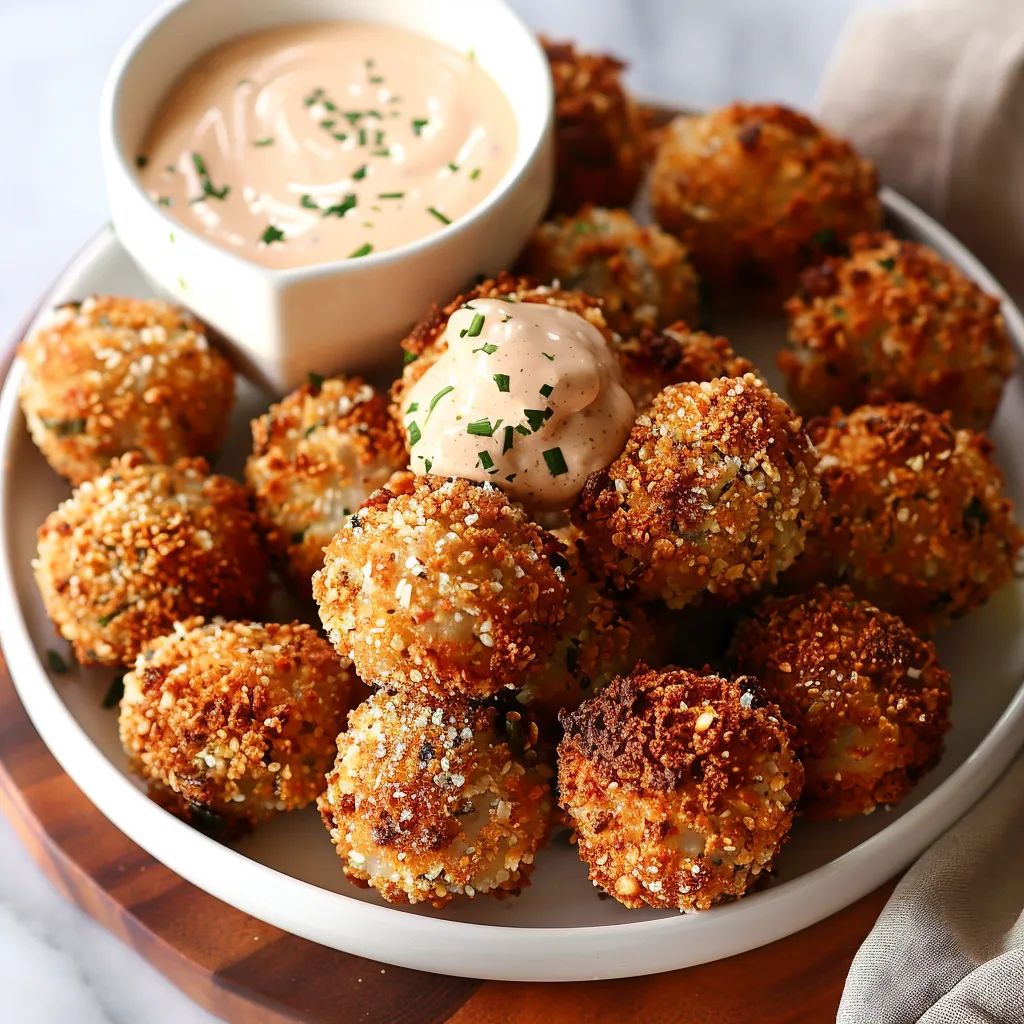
column 56, row 965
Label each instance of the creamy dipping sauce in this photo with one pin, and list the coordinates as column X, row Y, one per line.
column 527, row 396
column 310, row 143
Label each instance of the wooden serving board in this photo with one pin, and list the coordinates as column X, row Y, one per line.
column 245, row 971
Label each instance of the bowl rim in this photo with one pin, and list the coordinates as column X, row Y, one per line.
column 119, row 171
column 369, row 929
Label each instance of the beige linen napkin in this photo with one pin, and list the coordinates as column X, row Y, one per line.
column 933, row 92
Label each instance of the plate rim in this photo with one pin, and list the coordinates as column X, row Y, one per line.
column 586, row 952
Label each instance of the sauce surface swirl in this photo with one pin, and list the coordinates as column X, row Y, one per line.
column 527, row 396
column 309, row 143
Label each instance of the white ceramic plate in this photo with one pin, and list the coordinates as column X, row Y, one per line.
column 558, row 930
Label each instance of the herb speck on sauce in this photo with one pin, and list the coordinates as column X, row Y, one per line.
column 272, row 234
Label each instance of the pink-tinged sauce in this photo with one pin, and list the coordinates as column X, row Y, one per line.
column 317, row 142
column 527, row 396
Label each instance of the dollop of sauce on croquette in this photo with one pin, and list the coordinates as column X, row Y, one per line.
column 529, row 397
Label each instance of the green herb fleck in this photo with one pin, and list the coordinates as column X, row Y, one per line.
column 474, row 174
column 269, row 141
column 437, row 398
column 511, row 477
column 488, row 349
column 486, row 462
column 435, row 212
column 209, row 192
column 165, row 201
column 340, row 209
column 115, row 693
column 414, row 434
column 427, row 465
column 271, row 235
column 887, row 264
column 362, row 136
column 106, row 620
column 546, row 390
column 65, row 428
column 390, row 195
column 476, row 325
column 339, row 136
column 419, row 124
column 535, row 417
column 364, row 250
column 502, row 380
column 413, row 407
column 316, row 381
column 359, row 173
column 453, row 167
column 57, row 664
column 556, row 461
column 141, row 161
column 481, row 428
column 510, row 438
column 547, row 356
column 409, row 357
column 308, row 202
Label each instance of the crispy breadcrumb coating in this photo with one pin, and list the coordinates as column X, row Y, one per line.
column 445, row 586
column 111, row 375
column 432, row 799
column 238, row 719
column 642, row 274
column 680, row 787
column 895, row 322
column 426, row 342
column 713, row 492
column 868, row 699
column 916, row 519
column 142, row 547
column 317, row 456
column 757, row 193
column 653, row 360
column 601, row 144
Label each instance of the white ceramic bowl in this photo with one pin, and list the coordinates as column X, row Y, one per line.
column 335, row 316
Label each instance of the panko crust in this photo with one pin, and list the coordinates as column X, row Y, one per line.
column 236, row 719
column 406, row 801
column 757, row 193
column 680, row 787
column 642, row 274
column 916, row 520
column 653, row 360
column 426, row 342
column 142, row 547
column 712, row 493
column 601, row 146
column 111, row 375
column 317, row 456
column 868, row 699
column 444, row 586
column 895, row 322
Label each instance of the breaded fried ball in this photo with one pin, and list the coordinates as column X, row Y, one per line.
column 238, row 719
column 142, row 547
column 444, row 586
column 426, row 342
column 713, row 492
column 680, row 787
column 868, row 699
column 916, row 520
column 757, row 193
column 653, row 360
column 432, row 799
column 642, row 274
column 110, row 375
column 600, row 133
column 895, row 322
column 317, row 456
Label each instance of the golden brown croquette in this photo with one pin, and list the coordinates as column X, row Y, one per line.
column 680, row 787
column 238, row 719
column 895, row 322
column 111, row 375
column 756, row 193
column 445, row 586
column 317, row 456
column 432, row 799
column 916, row 519
column 641, row 273
column 142, row 547
column 868, row 699
column 713, row 492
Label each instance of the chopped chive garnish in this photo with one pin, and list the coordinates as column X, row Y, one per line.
column 502, row 380
column 556, row 461
column 272, row 234
column 378, row 138
column 328, row 123
column 419, row 124
column 887, row 264
column 414, row 434
column 314, row 97
column 437, row 398
column 328, row 105
column 264, row 142
column 382, row 152
column 435, row 212
column 453, row 167
column 409, row 357
column 362, row 136
column 106, row 620
column 482, row 428
column 476, row 326
column 427, row 465
column 165, row 201
column 390, row 195
column 546, row 356
column 546, row 390
column 413, row 407
column 474, row 174
column 352, row 116
column 376, row 79
column 209, row 192
column 511, row 477
column 363, row 250
column 520, row 429
column 309, row 203
column 340, row 209
column 488, row 349
column 339, row 136
column 57, row 664
column 510, row 440
column 535, row 417
column 113, row 696
column 141, row 161
column 171, row 169
column 485, row 460
column 359, row 173
column 316, row 381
